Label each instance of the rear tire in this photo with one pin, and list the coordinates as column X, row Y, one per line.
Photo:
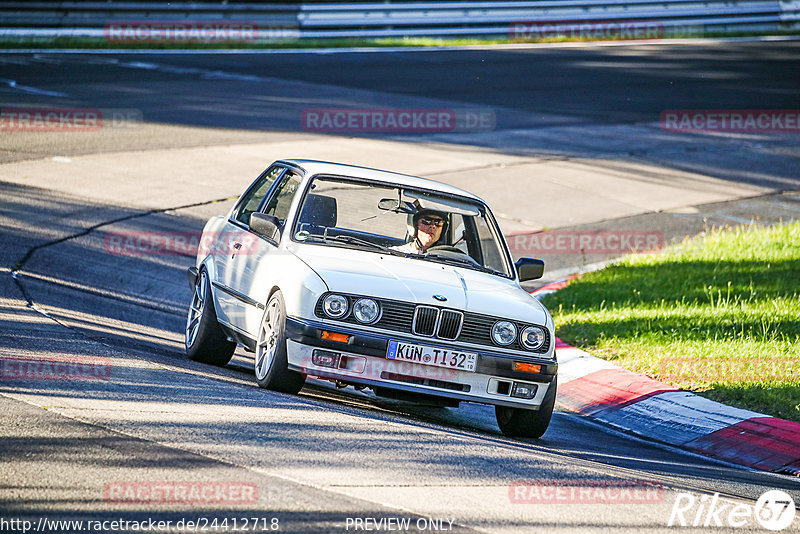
column 205, row 341
column 271, row 359
column 522, row 423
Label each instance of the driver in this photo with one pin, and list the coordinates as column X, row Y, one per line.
column 427, row 227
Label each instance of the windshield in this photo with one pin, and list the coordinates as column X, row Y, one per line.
column 401, row 221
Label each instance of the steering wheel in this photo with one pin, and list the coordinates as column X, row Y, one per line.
column 450, row 251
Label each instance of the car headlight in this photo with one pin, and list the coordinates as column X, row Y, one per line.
column 504, row 332
column 533, row 337
column 334, row 306
column 366, row 311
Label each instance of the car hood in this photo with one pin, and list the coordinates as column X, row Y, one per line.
column 417, row 281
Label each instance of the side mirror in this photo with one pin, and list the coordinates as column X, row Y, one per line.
column 387, row 204
column 529, row 269
column 267, row 226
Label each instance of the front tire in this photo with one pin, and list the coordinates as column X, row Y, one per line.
column 271, row 360
column 205, row 341
column 522, row 423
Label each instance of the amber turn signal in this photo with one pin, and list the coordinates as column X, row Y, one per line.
column 333, row 336
column 527, row 367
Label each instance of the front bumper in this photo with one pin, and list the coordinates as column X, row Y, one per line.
column 362, row 360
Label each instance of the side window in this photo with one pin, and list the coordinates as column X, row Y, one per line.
column 459, row 233
column 490, row 247
column 253, row 198
column 282, row 197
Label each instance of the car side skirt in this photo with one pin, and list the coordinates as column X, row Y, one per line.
column 239, row 336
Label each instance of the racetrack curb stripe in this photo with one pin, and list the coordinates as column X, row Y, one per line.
column 626, row 400
column 607, row 390
column 675, row 417
column 766, row 443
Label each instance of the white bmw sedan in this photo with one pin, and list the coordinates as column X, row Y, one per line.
column 374, row 279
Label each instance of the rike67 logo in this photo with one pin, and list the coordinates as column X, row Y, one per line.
column 774, row 510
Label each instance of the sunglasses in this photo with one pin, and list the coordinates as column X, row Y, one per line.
column 432, row 222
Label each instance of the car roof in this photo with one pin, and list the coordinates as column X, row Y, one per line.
column 313, row 167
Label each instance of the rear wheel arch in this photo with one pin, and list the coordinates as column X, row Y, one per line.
column 205, row 340
column 211, row 271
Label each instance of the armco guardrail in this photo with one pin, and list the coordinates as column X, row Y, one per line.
column 98, row 14
column 515, row 19
column 499, row 18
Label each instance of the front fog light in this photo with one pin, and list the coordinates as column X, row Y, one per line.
column 366, row 311
column 504, row 332
column 324, row 358
column 523, row 391
column 533, row 337
column 335, row 306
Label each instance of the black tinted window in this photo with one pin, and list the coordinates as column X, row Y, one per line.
column 281, row 200
column 252, row 200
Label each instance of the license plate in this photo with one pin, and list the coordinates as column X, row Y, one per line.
column 436, row 356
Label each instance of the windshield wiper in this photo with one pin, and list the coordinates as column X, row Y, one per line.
column 468, row 263
column 351, row 240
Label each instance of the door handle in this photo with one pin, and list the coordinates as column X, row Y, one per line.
column 236, row 247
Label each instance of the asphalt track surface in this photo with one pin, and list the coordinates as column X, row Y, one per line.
column 325, row 456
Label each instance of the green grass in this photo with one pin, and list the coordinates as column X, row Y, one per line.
column 101, row 43
column 718, row 314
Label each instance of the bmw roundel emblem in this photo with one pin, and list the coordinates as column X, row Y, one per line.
column 440, row 298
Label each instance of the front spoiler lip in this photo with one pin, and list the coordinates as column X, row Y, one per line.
column 374, row 344
column 461, row 397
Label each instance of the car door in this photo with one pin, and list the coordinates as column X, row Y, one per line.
column 236, row 239
column 250, row 265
